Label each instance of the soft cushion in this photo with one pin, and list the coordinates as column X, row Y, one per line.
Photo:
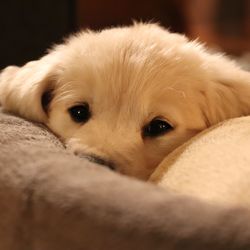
column 214, row 165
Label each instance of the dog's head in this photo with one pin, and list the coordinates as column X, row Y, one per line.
column 126, row 97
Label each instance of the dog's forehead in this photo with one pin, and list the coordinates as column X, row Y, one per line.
column 123, row 56
column 123, row 63
column 128, row 71
column 140, row 44
column 122, row 78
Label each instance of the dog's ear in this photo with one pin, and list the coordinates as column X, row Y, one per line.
column 229, row 95
column 28, row 90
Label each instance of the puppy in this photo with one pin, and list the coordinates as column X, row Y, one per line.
column 126, row 97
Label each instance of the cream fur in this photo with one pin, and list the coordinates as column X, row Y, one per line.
column 128, row 76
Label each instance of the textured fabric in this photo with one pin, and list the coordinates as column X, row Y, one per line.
column 52, row 200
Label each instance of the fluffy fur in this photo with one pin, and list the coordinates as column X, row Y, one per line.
column 128, row 76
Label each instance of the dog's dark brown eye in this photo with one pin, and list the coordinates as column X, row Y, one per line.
column 156, row 127
column 80, row 113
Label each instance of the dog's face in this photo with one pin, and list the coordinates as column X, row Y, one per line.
column 125, row 97
column 125, row 101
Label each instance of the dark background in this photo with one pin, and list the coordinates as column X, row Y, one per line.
column 28, row 28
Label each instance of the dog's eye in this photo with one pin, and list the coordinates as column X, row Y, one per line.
column 156, row 127
column 80, row 113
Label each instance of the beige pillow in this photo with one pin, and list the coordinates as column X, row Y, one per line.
column 215, row 165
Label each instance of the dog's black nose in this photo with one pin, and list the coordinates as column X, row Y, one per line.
column 99, row 160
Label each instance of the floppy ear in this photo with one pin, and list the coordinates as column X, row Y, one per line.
column 229, row 95
column 27, row 90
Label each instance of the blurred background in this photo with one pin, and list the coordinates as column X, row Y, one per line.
column 28, row 28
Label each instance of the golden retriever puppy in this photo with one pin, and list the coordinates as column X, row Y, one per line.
column 126, row 97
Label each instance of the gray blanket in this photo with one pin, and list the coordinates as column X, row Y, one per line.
column 52, row 200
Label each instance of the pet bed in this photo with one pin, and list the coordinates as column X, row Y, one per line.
column 53, row 200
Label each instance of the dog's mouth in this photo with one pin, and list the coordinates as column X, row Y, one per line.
column 98, row 160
